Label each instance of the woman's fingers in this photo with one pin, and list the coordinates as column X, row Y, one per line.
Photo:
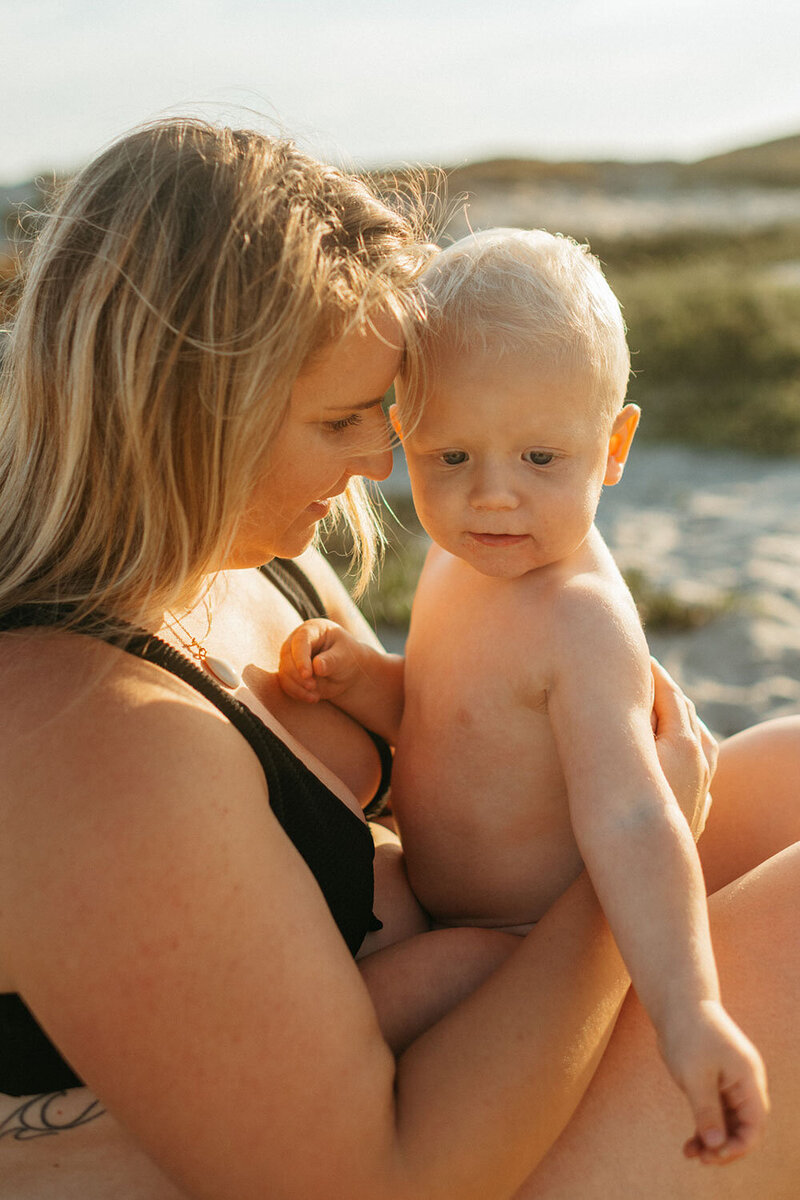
column 710, row 748
column 686, row 749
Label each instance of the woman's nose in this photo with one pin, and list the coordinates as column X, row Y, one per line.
column 375, row 465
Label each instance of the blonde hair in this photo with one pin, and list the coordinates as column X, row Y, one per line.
column 185, row 278
column 516, row 290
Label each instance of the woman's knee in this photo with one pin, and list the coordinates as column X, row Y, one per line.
column 756, row 809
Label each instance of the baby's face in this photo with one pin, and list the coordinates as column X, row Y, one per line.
column 508, row 460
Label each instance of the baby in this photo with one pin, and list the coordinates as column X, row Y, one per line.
column 525, row 748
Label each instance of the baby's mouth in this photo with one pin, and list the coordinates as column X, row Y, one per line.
column 498, row 539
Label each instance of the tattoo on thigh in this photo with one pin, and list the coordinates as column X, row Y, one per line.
column 42, row 1116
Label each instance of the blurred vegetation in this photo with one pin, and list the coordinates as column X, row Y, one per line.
column 714, row 330
column 775, row 163
column 662, row 611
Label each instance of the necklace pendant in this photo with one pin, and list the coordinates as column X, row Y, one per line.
column 221, row 670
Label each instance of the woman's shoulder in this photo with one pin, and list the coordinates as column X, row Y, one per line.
column 53, row 677
column 101, row 754
column 82, row 718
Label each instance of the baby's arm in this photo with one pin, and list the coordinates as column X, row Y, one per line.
column 642, row 860
column 322, row 661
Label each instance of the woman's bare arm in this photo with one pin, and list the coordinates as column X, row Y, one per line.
column 173, row 943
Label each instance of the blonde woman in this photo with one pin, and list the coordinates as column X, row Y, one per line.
column 192, row 383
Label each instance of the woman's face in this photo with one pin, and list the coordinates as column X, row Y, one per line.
column 333, row 429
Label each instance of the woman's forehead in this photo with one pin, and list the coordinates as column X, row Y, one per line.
column 356, row 368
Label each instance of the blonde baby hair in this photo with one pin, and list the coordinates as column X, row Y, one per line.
column 525, row 291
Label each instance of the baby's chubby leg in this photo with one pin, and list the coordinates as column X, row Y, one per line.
column 414, row 983
column 414, row 974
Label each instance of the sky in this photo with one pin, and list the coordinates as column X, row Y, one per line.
column 372, row 82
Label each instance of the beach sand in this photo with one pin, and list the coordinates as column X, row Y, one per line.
column 719, row 530
column 722, row 529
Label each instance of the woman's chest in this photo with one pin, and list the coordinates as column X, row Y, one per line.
column 251, row 620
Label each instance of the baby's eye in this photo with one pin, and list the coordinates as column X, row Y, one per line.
column 453, row 458
column 342, row 423
column 539, row 458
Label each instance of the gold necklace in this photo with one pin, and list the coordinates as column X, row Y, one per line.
column 218, row 668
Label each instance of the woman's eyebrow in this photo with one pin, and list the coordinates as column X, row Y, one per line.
column 359, row 406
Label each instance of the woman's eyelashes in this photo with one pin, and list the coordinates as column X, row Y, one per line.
column 454, row 458
column 539, row 458
column 342, row 423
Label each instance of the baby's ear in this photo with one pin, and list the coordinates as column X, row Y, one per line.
column 394, row 417
column 619, row 443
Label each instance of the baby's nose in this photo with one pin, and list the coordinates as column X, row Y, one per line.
column 492, row 489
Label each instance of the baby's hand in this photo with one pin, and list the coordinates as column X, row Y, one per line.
column 318, row 661
column 724, row 1079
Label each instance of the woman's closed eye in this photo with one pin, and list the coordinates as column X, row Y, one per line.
column 539, row 458
column 342, row 423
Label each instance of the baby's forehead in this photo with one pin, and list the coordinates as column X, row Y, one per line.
column 533, row 400
column 525, row 370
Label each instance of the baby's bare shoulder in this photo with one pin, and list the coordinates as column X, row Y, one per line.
column 595, row 608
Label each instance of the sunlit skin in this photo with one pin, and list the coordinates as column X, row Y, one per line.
column 508, row 461
column 527, row 678
column 333, row 429
column 525, row 748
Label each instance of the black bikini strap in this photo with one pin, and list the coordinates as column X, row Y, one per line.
column 295, row 586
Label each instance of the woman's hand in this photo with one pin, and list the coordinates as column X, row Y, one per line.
column 686, row 750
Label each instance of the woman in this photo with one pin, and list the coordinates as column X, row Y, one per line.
column 194, row 380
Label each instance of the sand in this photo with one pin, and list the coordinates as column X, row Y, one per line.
column 721, row 530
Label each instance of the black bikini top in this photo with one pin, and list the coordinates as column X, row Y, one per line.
column 335, row 843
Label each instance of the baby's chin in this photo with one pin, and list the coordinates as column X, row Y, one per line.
column 498, row 572
column 502, row 562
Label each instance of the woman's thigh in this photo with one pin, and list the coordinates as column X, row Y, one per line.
column 756, row 809
column 626, row 1137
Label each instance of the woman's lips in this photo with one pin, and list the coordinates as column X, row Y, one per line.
column 498, row 539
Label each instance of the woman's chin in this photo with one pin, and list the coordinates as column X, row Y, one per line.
column 289, row 547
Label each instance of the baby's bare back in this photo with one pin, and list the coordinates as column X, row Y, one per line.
column 477, row 784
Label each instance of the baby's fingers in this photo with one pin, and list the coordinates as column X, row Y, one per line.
column 295, row 672
column 746, row 1110
column 745, row 1107
column 302, row 645
column 711, row 1130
